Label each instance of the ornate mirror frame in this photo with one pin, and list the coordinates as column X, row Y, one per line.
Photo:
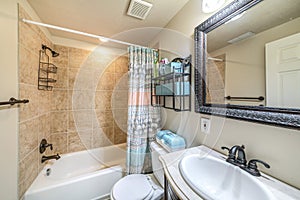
column 289, row 118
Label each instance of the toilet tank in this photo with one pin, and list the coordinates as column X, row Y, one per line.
column 156, row 151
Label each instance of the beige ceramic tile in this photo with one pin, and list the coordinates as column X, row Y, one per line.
column 71, row 122
column 105, row 118
column 29, row 39
column 122, row 64
column 28, row 137
column 61, row 77
column 111, row 67
column 106, row 81
column 85, row 79
column 61, row 61
column 21, row 189
column 72, row 77
column 29, row 63
column 120, row 117
column 28, row 170
column 29, row 110
column 109, row 133
column 45, row 101
column 44, row 126
column 86, row 138
column 77, row 57
column 60, row 100
column 100, row 139
column 121, row 81
column 59, row 141
column 82, row 99
column 120, row 136
column 30, row 164
column 74, row 142
column 83, row 119
column 120, row 99
column 103, row 100
column 59, row 121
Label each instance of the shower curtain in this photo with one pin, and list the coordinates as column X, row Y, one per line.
column 143, row 119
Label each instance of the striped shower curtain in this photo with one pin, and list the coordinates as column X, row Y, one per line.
column 143, row 119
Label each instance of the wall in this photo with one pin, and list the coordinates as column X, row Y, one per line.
column 277, row 146
column 8, row 88
column 34, row 116
column 87, row 107
column 85, row 112
column 246, row 59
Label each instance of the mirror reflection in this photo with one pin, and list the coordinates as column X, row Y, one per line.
column 255, row 59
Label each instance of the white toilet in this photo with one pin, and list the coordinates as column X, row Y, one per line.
column 141, row 186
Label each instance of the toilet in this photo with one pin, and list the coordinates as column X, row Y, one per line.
column 142, row 186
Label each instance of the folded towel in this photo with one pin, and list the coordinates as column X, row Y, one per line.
column 170, row 141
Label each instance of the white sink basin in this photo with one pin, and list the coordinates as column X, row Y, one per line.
column 213, row 178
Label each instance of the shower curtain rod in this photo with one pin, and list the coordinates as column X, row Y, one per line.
column 80, row 33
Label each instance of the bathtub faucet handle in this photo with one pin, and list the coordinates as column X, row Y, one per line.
column 43, row 145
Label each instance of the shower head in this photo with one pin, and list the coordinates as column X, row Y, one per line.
column 54, row 53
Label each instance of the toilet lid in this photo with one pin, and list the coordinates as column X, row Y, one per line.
column 134, row 186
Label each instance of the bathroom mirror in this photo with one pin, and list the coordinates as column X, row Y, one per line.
column 231, row 72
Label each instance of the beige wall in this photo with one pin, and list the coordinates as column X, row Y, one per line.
column 8, row 88
column 34, row 117
column 277, row 146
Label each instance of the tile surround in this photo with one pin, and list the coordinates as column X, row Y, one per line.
column 53, row 114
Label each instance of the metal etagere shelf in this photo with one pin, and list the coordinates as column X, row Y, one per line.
column 46, row 69
column 173, row 90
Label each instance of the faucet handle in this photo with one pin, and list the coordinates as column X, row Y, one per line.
column 252, row 167
column 43, row 145
column 225, row 148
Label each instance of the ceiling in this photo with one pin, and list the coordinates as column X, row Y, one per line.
column 107, row 18
column 261, row 17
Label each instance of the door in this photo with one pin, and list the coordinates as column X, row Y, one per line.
column 283, row 72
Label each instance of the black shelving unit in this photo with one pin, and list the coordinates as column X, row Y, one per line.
column 173, row 90
column 45, row 69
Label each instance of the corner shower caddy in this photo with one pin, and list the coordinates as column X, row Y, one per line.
column 45, row 70
column 172, row 88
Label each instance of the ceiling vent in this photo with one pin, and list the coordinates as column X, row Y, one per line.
column 241, row 37
column 139, row 9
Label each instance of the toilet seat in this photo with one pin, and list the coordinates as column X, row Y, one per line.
column 134, row 187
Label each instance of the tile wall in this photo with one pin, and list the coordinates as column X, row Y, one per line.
column 216, row 80
column 34, row 116
column 87, row 107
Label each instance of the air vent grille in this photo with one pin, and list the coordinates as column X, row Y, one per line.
column 241, row 37
column 139, row 9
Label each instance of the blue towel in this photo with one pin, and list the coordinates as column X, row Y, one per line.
column 171, row 140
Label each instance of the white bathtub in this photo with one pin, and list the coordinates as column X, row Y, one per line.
column 83, row 175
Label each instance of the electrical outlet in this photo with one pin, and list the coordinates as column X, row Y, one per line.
column 205, row 125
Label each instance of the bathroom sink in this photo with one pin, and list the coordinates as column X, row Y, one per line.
column 214, row 178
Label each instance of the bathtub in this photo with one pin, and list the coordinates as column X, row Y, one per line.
column 84, row 175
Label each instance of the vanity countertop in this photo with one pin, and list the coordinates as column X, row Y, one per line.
column 171, row 161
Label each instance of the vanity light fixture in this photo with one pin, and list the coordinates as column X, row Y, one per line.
column 209, row 6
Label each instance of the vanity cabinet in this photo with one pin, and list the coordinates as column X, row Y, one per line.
column 169, row 192
column 171, row 86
